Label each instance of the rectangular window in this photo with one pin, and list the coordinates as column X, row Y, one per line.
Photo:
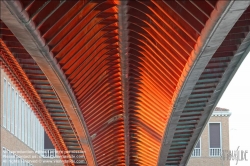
column 197, row 149
column 31, row 129
column 42, row 140
column 20, row 118
column 4, row 103
column 23, row 120
column 214, row 139
column 16, row 115
column 37, row 135
column 29, row 124
column 9, row 107
column 25, row 124
column 12, row 111
column 34, row 130
column 40, row 137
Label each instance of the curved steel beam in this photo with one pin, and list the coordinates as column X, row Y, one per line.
column 18, row 22
column 234, row 52
column 216, row 29
column 123, row 45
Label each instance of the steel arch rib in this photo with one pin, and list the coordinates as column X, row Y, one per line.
column 32, row 42
column 216, row 29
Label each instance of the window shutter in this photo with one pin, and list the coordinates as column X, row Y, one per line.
column 214, row 135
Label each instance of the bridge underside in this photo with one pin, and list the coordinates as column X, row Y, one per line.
column 125, row 82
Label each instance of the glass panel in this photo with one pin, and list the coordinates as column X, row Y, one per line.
column 34, row 131
column 4, row 104
column 16, row 115
column 25, row 124
column 23, row 114
column 31, row 129
column 42, row 140
column 20, row 117
column 28, row 126
column 9, row 107
column 37, row 131
column 36, row 135
column 12, row 110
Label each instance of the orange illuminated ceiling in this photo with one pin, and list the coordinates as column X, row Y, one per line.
column 122, row 73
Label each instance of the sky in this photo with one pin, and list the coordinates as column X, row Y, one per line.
column 237, row 99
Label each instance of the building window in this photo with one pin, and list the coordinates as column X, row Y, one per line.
column 214, row 139
column 26, row 123
column 20, row 117
column 20, row 120
column 9, row 107
column 5, row 104
column 23, row 120
column 12, row 110
column 34, row 132
column 16, row 114
column 31, row 130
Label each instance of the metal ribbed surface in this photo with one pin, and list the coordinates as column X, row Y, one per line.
column 158, row 49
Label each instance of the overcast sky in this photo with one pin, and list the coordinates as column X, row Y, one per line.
column 237, row 99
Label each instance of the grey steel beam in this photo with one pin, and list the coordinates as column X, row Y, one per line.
column 123, row 41
column 216, row 29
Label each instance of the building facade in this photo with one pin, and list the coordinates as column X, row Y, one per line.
column 22, row 136
column 213, row 140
